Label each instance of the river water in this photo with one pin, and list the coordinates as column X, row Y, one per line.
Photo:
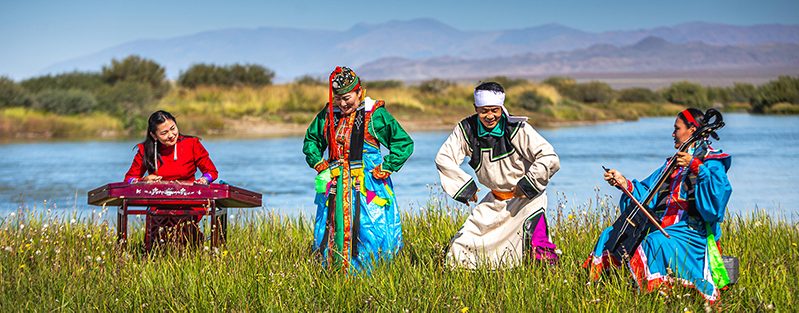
column 764, row 173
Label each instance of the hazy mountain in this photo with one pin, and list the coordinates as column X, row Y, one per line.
column 294, row 52
column 649, row 54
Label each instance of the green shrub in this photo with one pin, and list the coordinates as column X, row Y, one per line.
column 688, row 94
column 14, row 95
column 129, row 100
column 566, row 86
column 507, row 82
column 136, row 69
column 382, row 84
column 309, row 80
column 638, row 94
column 784, row 89
column 742, row 92
column 434, row 86
column 596, row 92
column 718, row 94
column 252, row 75
column 89, row 81
column 65, row 102
column 532, row 101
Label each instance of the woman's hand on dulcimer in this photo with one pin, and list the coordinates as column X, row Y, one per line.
column 151, row 178
column 615, row 178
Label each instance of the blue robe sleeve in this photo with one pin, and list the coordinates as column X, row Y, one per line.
column 713, row 189
column 640, row 189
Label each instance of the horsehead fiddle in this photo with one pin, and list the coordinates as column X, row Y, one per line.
column 628, row 229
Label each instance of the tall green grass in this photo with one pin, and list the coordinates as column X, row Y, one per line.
column 51, row 262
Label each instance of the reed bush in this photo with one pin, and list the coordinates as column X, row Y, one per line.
column 16, row 122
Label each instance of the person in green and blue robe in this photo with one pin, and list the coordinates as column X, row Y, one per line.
column 357, row 218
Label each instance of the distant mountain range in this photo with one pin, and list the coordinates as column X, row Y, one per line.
column 423, row 42
column 650, row 54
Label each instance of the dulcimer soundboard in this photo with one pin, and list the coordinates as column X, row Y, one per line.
column 155, row 193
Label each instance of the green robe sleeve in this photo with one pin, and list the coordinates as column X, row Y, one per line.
column 315, row 143
column 390, row 134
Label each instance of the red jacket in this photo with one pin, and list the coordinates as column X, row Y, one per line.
column 191, row 155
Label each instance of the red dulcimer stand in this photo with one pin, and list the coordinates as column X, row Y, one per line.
column 217, row 198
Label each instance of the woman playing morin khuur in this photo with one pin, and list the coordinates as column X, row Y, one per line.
column 510, row 157
column 357, row 219
column 167, row 155
column 691, row 204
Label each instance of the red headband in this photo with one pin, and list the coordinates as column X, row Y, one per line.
column 690, row 118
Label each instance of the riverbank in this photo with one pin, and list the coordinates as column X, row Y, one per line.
column 47, row 262
column 284, row 110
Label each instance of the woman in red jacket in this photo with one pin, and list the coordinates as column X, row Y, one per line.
column 167, row 155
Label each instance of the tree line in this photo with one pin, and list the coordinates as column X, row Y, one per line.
column 127, row 88
column 124, row 89
column 762, row 99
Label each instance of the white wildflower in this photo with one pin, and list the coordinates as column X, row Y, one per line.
column 206, row 248
column 73, row 221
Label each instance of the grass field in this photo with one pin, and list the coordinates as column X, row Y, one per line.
column 56, row 262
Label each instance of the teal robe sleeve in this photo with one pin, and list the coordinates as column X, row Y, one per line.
column 390, row 134
column 315, row 142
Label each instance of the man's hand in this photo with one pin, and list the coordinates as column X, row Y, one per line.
column 518, row 193
column 614, row 178
column 474, row 197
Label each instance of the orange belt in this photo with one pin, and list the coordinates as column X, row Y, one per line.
column 502, row 195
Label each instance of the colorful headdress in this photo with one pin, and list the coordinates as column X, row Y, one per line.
column 344, row 80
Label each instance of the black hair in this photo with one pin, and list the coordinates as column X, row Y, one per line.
column 493, row 86
column 697, row 114
column 157, row 118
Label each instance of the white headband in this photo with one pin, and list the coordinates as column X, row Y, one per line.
column 484, row 98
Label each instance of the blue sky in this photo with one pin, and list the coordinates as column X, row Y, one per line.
column 35, row 34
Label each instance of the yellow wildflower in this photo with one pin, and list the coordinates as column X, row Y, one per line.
column 794, row 244
column 22, row 266
column 465, row 309
column 571, row 216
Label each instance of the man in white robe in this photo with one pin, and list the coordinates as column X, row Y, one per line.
column 508, row 225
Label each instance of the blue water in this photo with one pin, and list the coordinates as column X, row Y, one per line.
column 764, row 173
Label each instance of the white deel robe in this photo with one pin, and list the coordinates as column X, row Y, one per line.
column 492, row 235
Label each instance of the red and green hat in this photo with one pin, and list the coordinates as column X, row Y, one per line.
column 344, row 80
